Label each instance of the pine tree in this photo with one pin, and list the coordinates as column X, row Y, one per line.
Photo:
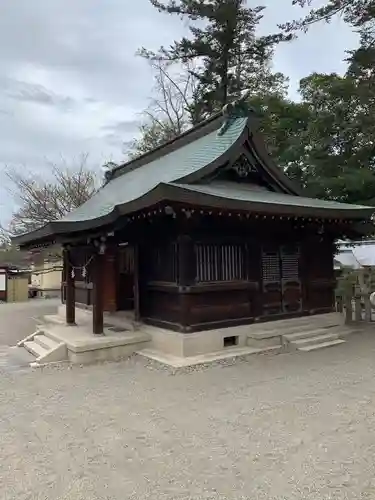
column 359, row 14
column 230, row 56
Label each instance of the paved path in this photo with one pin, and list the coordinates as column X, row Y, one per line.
column 18, row 320
column 292, row 426
column 13, row 359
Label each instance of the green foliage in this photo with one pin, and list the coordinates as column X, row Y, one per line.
column 230, row 56
column 284, row 124
column 325, row 141
column 346, row 282
column 152, row 135
column 339, row 149
column 350, row 278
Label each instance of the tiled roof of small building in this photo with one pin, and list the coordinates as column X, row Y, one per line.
column 171, row 167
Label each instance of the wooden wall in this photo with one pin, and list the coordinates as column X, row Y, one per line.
column 196, row 275
column 238, row 294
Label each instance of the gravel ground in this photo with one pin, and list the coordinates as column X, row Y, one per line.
column 291, row 426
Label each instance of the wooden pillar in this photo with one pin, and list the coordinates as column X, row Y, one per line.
column 97, row 305
column 186, row 262
column 109, row 285
column 137, row 312
column 186, row 276
column 70, row 301
column 253, row 263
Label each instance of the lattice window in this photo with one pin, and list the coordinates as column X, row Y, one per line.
column 219, row 262
column 164, row 263
column 290, row 263
column 271, row 266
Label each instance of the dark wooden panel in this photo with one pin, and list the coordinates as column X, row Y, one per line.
column 219, row 306
column 83, row 295
column 319, row 275
column 125, row 278
column 161, row 305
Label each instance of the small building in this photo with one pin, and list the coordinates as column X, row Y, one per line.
column 202, row 233
column 14, row 284
column 355, row 254
column 46, row 274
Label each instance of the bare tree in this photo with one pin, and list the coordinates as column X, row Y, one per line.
column 170, row 111
column 42, row 199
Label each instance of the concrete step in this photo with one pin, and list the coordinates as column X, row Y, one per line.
column 305, row 334
column 321, row 346
column 35, row 349
column 54, row 319
column 45, row 341
column 286, row 329
column 314, row 340
column 312, row 321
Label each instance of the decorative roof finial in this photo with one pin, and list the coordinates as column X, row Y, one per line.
column 235, row 109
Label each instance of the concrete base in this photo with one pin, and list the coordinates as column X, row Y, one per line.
column 202, row 359
column 85, row 347
column 201, row 343
column 123, row 337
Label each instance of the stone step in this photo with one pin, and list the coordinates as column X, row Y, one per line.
column 45, row 341
column 314, row 340
column 321, row 346
column 290, row 337
column 35, row 349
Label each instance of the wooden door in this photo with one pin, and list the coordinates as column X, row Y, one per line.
column 281, row 284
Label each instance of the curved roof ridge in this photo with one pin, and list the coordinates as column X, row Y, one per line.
column 190, row 135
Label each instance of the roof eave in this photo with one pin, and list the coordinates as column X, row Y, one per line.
column 51, row 231
column 181, row 194
column 174, row 193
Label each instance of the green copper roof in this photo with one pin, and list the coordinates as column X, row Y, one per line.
column 176, row 165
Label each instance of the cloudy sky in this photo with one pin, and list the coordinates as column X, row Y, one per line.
column 70, row 82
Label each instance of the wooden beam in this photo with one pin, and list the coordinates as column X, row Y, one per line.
column 98, row 306
column 70, row 301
